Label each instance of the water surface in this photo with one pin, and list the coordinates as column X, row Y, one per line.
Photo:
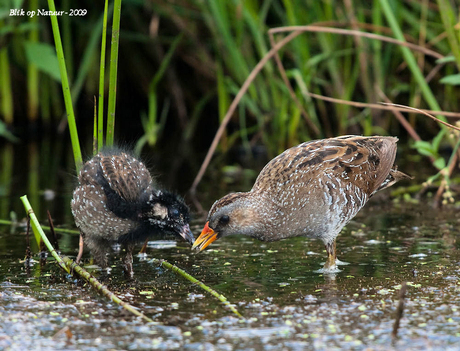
column 286, row 306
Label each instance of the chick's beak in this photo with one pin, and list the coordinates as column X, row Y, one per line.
column 207, row 236
column 187, row 234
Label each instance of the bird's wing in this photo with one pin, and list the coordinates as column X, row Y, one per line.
column 364, row 162
column 128, row 177
column 91, row 215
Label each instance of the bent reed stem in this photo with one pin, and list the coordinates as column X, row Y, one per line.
column 190, row 278
column 70, row 266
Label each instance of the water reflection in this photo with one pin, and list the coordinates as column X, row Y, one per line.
column 285, row 304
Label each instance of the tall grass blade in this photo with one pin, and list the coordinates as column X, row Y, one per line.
column 66, row 90
column 68, row 43
column 39, row 233
column 100, row 118
column 113, row 73
column 87, row 59
column 45, row 96
column 6, row 94
column 95, row 133
column 449, row 21
column 223, row 99
column 33, row 174
column 32, row 70
column 6, row 179
column 410, row 59
column 152, row 124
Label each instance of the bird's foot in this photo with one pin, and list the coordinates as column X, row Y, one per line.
column 328, row 270
column 128, row 271
column 330, row 267
column 142, row 256
column 337, row 263
column 341, row 263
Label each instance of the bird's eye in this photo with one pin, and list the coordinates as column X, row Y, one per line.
column 174, row 212
column 224, row 219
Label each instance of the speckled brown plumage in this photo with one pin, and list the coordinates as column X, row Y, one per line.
column 116, row 201
column 313, row 190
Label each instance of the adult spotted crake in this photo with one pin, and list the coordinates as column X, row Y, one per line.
column 313, row 190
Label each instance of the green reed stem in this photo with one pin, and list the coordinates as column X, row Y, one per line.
column 70, row 266
column 187, row 276
column 68, row 43
column 86, row 64
column 32, row 70
column 95, row 134
column 102, row 289
column 45, row 98
column 100, row 118
column 57, row 230
column 113, row 73
column 5, row 86
column 448, row 19
column 39, row 233
column 33, row 175
column 410, row 60
column 66, row 89
column 6, row 177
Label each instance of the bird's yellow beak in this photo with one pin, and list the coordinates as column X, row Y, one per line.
column 207, row 236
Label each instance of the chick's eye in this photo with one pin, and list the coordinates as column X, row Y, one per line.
column 174, row 212
column 224, row 219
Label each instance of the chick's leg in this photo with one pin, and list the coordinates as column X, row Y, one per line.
column 80, row 249
column 128, row 261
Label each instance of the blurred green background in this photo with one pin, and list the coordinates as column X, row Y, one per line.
column 181, row 63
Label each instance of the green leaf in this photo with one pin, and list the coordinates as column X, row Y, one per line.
column 44, row 57
column 17, row 28
column 453, row 79
column 7, row 6
column 166, row 60
column 17, row 4
column 440, row 163
column 425, row 148
column 420, row 144
column 437, row 140
column 446, row 59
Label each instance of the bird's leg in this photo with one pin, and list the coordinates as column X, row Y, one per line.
column 144, row 247
column 331, row 256
column 128, row 261
column 99, row 249
column 330, row 267
column 337, row 261
column 80, row 249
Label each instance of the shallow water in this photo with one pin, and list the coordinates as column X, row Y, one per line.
column 286, row 306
